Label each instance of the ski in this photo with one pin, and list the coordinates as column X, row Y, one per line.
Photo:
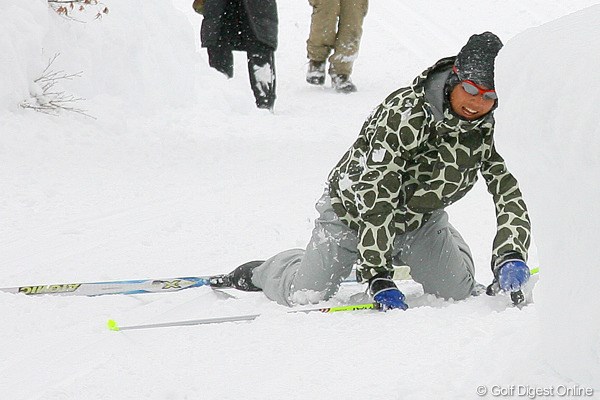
column 137, row 286
column 113, row 326
column 128, row 287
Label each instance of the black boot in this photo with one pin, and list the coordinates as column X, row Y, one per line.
column 316, row 72
column 342, row 83
column 240, row 278
column 261, row 68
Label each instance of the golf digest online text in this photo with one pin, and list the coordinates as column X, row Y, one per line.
column 532, row 392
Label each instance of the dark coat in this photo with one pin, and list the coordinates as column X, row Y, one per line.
column 225, row 19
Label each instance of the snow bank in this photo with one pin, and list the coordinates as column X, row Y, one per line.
column 143, row 57
column 22, row 28
column 549, row 96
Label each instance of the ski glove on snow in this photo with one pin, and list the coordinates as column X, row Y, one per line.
column 512, row 275
column 386, row 293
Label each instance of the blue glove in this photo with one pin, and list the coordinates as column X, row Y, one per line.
column 386, row 294
column 512, row 275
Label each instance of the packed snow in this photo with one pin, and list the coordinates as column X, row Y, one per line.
column 170, row 170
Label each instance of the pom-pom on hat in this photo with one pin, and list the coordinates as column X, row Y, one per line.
column 475, row 61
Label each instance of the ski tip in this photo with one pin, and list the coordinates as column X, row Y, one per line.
column 112, row 325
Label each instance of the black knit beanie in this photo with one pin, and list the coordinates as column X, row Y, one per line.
column 475, row 61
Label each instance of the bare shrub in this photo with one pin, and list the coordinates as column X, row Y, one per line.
column 47, row 98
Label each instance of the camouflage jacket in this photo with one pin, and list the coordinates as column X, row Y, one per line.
column 414, row 156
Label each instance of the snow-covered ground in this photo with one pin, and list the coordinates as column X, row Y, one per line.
column 179, row 174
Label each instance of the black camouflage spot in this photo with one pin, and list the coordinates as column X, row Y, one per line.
column 394, row 120
column 368, row 239
column 521, row 231
column 382, row 239
column 507, row 181
column 416, row 123
column 407, row 135
column 520, row 223
column 449, row 189
column 371, row 176
column 462, row 157
column 372, row 257
column 392, row 140
column 369, row 199
column 391, row 186
column 452, row 174
column 497, row 169
column 383, row 192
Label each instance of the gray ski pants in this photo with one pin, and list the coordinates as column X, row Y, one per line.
column 439, row 259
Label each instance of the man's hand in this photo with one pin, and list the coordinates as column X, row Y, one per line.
column 512, row 275
column 386, row 294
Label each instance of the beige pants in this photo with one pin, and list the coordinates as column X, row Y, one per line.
column 336, row 26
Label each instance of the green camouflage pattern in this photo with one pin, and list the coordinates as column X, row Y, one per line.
column 405, row 164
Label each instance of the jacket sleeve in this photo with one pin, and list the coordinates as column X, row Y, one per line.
column 377, row 188
column 513, row 233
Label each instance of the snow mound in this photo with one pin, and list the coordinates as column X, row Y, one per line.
column 122, row 55
column 549, row 105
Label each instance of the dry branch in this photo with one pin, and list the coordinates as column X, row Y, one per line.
column 50, row 100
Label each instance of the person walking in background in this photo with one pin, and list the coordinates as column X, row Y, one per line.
column 336, row 28
column 242, row 25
